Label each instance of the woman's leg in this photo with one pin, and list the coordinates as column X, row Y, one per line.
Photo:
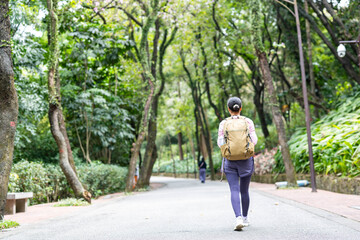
column 233, row 180
column 244, row 190
column 202, row 173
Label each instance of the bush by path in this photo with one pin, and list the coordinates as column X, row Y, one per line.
column 48, row 182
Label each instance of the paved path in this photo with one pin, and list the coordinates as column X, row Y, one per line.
column 187, row 209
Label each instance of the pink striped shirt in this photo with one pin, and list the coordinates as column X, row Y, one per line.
column 252, row 132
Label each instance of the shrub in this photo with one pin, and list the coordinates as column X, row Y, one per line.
column 180, row 166
column 30, row 177
column 49, row 184
column 101, row 179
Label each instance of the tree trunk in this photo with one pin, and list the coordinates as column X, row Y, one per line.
column 260, row 110
column 56, row 117
column 148, row 163
column 197, row 134
column 109, row 155
column 204, row 151
column 207, row 135
column 265, row 70
column 187, row 159
column 180, row 142
column 277, row 118
column 8, row 105
column 200, row 116
column 137, row 145
column 172, row 157
column 192, row 151
column 68, row 146
column 150, row 156
column 309, row 50
column 143, row 59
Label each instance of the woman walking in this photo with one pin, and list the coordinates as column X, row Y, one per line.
column 202, row 170
column 237, row 139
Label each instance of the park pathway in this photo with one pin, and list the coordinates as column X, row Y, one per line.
column 187, row 209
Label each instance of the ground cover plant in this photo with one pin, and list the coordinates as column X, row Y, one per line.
column 8, row 224
column 71, row 202
column 336, row 142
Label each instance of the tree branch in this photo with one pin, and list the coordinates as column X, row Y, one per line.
column 217, row 26
column 143, row 6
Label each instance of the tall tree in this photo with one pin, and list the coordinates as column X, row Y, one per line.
column 309, row 51
column 273, row 102
column 56, row 116
column 152, row 13
column 150, row 153
column 199, row 113
column 180, row 143
column 8, row 104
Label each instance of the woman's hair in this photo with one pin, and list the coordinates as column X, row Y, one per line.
column 234, row 104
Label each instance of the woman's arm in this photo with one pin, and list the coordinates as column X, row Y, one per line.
column 221, row 133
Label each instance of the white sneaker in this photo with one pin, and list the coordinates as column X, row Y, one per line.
column 246, row 222
column 239, row 223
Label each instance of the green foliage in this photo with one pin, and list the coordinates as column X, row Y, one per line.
column 101, row 179
column 8, row 224
column 104, row 117
column 49, row 184
column 336, row 142
column 31, row 177
column 263, row 143
column 165, row 164
column 71, row 202
column 103, row 91
column 256, row 25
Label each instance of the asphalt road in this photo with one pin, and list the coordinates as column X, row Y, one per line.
column 187, row 209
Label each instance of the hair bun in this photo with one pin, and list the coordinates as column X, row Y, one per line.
column 236, row 107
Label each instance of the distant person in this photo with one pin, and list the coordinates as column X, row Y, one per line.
column 237, row 139
column 136, row 177
column 202, row 170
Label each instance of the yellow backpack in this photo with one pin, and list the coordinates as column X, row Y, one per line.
column 238, row 144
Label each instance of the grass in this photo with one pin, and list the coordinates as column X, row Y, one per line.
column 145, row 189
column 8, row 224
column 69, row 202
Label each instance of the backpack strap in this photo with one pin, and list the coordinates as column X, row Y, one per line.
column 248, row 132
column 224, row 128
